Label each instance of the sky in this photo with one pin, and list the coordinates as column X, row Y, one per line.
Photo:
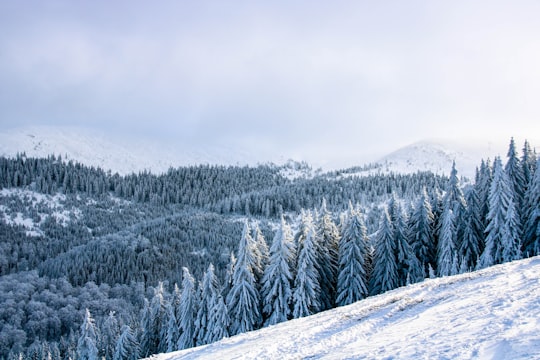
column 317, row 80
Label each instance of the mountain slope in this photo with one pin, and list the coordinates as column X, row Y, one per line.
column 120, row 155
column 489, row 314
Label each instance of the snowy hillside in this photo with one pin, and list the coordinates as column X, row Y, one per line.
column 489, row 314
column 120, row 155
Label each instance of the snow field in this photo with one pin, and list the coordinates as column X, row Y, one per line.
column 489, row 314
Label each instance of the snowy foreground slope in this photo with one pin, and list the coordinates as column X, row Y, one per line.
column 489, row 314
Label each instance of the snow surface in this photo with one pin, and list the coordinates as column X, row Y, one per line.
column 489, row 314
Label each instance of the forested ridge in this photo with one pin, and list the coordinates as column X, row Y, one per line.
column 93, row 264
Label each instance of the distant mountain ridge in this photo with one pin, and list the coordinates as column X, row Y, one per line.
column 127, row 156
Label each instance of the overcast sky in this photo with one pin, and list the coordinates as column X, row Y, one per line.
column 324, row 78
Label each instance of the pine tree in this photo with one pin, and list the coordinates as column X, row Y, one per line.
column 243, row 299
column 472, row 244
column 276, row 289
column 126, row 346
column 109, row 333
column 306, row 293
column 502, row 230
column 514, row 171
column 187, row 307
column 447, row 246
column 528, row 161
column 209, row 290
column 407, row 264
column 154, row 314
column 531, row 238
column 86, row 345
column 219, row 321
column 173, row 325
column 455, row 201
column 353, row 273
column 384, row 275
column 327, row 247
column 260, row 252
column 482, row 186
column 421, row 231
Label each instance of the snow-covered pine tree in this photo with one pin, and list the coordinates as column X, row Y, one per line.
column 86, row 345
column 243, row 298
column 446, row 254
column 421, row 231
column 208, row 292
column 306, row 293
column 276, row 288
column 384, row 276
column 407, row 264
column 109, row 335
column 528, row 161
column 126, row 346
column 155, row 314
column 353, row 275
column 219, row 321
column 188, row 308
column 514, row 171
column 260, row 252
column 455, row 201
column 327, row 247
column 502, row 230
column 472, row 243
column 173, row 326
column 482, row 186
column 531, row 238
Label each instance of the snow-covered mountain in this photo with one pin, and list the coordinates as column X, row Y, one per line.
column 488, row 314
column 122, row 155
column 125, row 156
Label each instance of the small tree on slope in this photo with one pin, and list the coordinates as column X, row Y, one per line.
column 306, row 283
column 384, row 276
column 277, row 278
column 353, row 274
column 243, row 299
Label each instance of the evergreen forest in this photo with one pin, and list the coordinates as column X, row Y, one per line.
column 94, row 265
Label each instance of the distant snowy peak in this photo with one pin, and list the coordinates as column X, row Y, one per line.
column 430, row 156
column 119, row 154
column 436, row 156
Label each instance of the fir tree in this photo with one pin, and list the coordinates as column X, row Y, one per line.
column 502, row 230
column 447, row 246
column 209, row 290
column 353, row 273
column 514, row 171
column 260, row 251
column 306, row 291
column 277, row 278
column 173, row 325
column 407, row 264
column 219, row 321
column 243, row 299
column 455, row 201
column 472, row 244
column 421, row 231
column 385, row 275
column 86, row 345
column 528, row 161
column 531, row 238
column 126, row 346
column 327, row 247
column 109, row 333
column 154, row 315
column 186, row 317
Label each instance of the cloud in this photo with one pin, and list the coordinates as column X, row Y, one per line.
column 303, row 77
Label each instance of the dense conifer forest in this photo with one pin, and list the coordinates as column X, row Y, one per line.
column 97, row 265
